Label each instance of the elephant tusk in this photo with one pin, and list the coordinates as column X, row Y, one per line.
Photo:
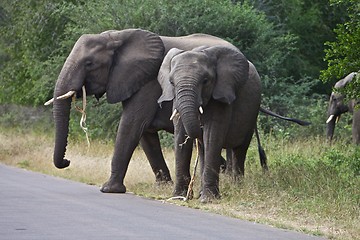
column 330, row 118
column 66, row 95
column 49, row 102
column 173, row 114
column 201, row 110
column 337, row 119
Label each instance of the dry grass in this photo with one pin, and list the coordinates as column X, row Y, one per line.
column 257, row 198
column 88, row 165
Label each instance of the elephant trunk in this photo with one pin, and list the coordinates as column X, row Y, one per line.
column 61, row 113
column 70, row 80
column 188, row 109
column 61, row 108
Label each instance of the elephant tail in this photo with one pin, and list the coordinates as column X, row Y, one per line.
column 262, row 154
column 298, row 121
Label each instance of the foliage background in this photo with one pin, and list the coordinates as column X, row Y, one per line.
column 310, row 183
column 287, row 40
column 283, row 38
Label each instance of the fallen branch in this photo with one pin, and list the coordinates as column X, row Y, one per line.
column 190, row 191
column 186, row 139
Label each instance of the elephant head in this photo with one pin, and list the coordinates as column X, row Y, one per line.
column 117, row 63
column 337, row 105
column 192, row 78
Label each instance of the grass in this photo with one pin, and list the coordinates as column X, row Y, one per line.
column 311, row 187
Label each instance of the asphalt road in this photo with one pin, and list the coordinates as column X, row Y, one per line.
column 37, row 206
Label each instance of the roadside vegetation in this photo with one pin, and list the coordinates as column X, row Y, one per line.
column 311, row 186
column 300, row 48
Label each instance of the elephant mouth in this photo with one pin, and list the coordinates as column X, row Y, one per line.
column 177, row 114
column 85, row 90
column 191, row 121
column 69, row 94
column 93, row 89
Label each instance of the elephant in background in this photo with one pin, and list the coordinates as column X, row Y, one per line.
column 217, row 100
column 338, row 106
column 123, row 65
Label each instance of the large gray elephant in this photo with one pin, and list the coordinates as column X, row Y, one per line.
column 338, row 106
column 124, row 65
column 217, row 100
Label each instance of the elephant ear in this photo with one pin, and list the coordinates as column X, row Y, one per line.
column 164, row 76
column 232, row 70
column 137, row 57
column 343, row 82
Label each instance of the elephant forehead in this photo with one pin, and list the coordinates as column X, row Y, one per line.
column 191, row 57
column 190, row 67
column 89, row 41
column 336, row 94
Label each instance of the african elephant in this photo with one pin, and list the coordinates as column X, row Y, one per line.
column 338, row 106
column 124, row 65
column 215, row 101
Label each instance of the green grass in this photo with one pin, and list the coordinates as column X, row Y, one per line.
column 311, row 187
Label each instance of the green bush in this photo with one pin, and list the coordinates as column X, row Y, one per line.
column 314, row 172
column 102, row 120
column 240, row 24
column 31, row 37
column 346, row 164
column 37, row 36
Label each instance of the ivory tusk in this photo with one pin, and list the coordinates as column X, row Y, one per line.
column 173, row 114
column 66, row 95
column 201, row 110
column 49, row 102
column 337, row 119
column 330, row 118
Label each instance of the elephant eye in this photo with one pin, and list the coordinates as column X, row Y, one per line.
column 88, row 64
column 205, row 81
column 171, row 80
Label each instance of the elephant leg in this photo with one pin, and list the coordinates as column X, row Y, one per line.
column 239, row 157
column 229, row 157
column 210, row 176
column 183, row 152
column 125, row 145
column 215, row 120
column 150, row 143
column 138, row 113
column 356, row 127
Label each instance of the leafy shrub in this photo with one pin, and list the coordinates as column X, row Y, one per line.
column 102, row 120
column 347, row 165
column 38, row 36
column 166, row 139
column 31, row 36
column 240, row 24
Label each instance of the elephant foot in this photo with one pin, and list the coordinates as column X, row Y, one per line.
column 179, row 192
column 163, row 177
column 208, row 195
column 112, row 187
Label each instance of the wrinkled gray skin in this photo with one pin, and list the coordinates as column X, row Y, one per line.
column 216, row 78
column 124, row 65
column 338, row 106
